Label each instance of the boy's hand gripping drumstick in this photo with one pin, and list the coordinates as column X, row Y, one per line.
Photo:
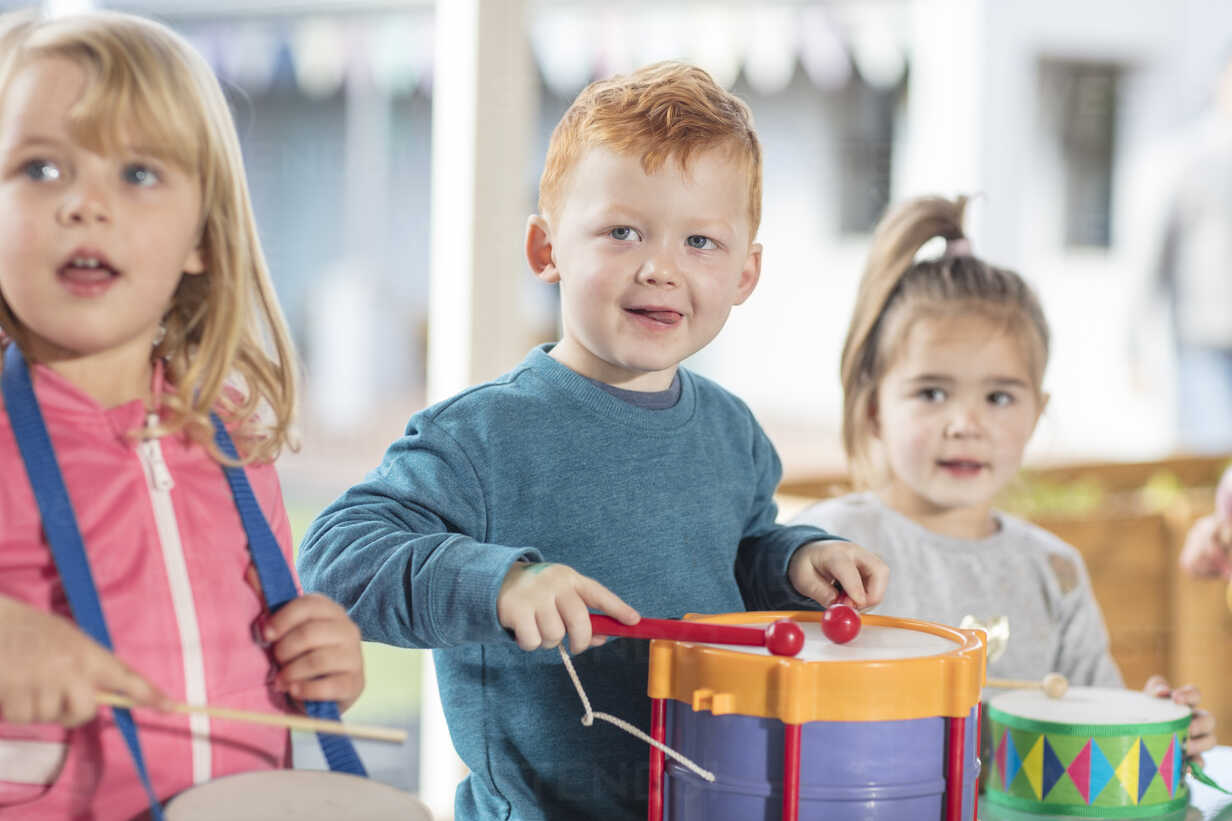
column 782, row 638
column 1054, row 685
column 292, row 722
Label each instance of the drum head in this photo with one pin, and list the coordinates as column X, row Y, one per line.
column 303, row 795
column 875, row 643
column 1089, row 705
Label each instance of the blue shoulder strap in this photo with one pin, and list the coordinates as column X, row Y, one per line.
column 279, row 588
column 63, row 536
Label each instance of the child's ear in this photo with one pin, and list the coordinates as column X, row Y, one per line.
column 539, row 249
column 749, row 274
column 195, row 263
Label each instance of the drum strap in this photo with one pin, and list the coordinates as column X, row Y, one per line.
column 63, row 535
column 279, row 588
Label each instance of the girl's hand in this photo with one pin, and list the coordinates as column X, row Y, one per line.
column 317, row 648
column 1206, row 548
column 541, row 602
column 817, row 567
column 50, row 670
column 1201, row 727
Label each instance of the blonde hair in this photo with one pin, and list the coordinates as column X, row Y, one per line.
column 226, row 346
column 665, row 110
column 896, row 289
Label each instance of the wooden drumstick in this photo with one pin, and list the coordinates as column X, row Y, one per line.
column 292, row 722
column 782, row 638
column 1054, row 685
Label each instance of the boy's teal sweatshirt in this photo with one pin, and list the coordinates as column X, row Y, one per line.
column 670, row 509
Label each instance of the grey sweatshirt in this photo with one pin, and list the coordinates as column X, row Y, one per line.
column 1022, row 572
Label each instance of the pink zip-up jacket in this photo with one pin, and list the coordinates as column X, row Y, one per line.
column 169, row 558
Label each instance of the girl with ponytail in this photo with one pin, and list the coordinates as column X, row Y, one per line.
column 942, row 374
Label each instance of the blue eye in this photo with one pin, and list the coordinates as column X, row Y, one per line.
column 931, row 394
column 141, row 175
column 623, row 233
column 1000, row 398
column 700, row 243
column 41, row 170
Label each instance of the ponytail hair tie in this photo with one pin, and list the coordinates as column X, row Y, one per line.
column 958, row 247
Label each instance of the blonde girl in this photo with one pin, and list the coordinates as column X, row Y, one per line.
column 135, row 304
column 942, row 375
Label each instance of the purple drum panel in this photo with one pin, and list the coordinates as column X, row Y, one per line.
column 849, row 770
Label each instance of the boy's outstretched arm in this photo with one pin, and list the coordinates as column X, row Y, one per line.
column 403, row 551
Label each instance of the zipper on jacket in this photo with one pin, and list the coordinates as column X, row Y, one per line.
column 159, row 484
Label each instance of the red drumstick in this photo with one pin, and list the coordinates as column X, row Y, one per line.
column 782, row 638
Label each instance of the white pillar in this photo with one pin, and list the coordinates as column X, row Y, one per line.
column 484, row 100
column 941, row 152
column 351, row 329
column 483, row 109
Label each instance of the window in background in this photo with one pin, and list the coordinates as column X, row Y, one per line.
column 1080, row 110
column 866, row 121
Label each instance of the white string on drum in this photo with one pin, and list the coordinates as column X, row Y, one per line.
column 589, row 718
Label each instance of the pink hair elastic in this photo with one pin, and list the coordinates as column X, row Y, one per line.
column 958, row 247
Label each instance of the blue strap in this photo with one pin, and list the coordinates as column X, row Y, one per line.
column 63, row 536
column 279, row 588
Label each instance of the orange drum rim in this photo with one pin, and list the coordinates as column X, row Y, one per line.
column 794, row 691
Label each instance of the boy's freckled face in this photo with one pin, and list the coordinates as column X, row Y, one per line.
column 649, row 265
column 954, row 413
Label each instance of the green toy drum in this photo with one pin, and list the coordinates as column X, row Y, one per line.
column 1094, row 753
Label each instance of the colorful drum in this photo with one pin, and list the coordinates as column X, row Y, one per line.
column 303, row 795
column 1094, row 753
column 882, row 728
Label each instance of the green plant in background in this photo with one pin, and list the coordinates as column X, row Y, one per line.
column 1161, row 491
column 392, row 674
column 1031, row 498
column 1037, row 497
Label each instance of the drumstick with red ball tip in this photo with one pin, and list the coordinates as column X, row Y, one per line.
column 1054, row 685
column 782, row 638
column 841, row 622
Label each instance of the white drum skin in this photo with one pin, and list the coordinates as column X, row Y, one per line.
column 1090, row 705
column 302, row 795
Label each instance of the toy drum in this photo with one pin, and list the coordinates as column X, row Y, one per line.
column 303, row 795
column 882, row 728
column 1094, row 753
